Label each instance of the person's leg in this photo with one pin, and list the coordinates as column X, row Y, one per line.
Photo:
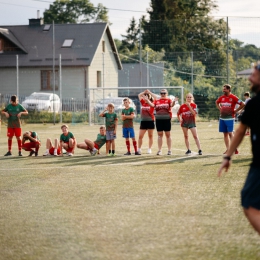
column 160, row 140
column 150, row 136
column 226, row 139
column 113, row 146
column 27, row 146
column 168, row 140
column 140, row 138
column 10, row 141
column 186, row 137
column 108, row 147
column 253, row 216
column 195, row 136
column 134, row 144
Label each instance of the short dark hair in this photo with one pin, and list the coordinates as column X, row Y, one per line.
column 227, row 86
column 247, row 94
column 14, row 98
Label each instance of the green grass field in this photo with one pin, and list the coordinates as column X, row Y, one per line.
column 125, row 207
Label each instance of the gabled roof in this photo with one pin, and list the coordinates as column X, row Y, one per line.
column 38, row 44
column 8, row 34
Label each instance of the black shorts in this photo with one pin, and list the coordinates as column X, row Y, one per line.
column 147, row 125
column 250, row 194
column 163, row 125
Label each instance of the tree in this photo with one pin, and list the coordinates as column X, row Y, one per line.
column 182, row 25
column 75, row 11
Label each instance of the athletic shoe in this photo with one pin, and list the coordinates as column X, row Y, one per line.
column 32, row 153
column 8, row 153
column 127, row 153
column 20, row 153
column 94, row 152
column 188, row 152
column 169, row 153
column 69, row 154
column 159, row 153
column 200, row 152
column 137, row 153
column 36, row 153
column 113, row 154
column 55, row 152
column 46, row 153
column 236, row 152
column 149, row 151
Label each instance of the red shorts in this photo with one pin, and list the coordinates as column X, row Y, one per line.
column 28, row 146
column 96, row 146
column 14, row 131
column 51, row 151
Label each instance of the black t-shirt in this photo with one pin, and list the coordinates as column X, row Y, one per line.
column 251, row 118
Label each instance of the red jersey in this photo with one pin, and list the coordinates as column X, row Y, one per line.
column 189, row 120
column 227, row 105
column 146, row 111
column 163, row 108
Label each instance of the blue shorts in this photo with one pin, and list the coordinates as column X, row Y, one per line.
column 250, row 194
column 110, row 135
column 226, row 126
column 128, row 133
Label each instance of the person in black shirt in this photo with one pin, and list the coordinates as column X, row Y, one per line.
column 250, row 194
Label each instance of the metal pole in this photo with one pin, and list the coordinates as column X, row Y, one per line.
column 192, row 83
column 53, row 70
column 147, row 69
column 103, row 55
column 17, row 76
column 227, row 54
column 140, row 52
column 60, row 87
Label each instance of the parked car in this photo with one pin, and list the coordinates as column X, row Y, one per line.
column 40, row 101
column 117, row 101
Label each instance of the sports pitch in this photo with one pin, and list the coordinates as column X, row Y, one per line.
column 124, row 207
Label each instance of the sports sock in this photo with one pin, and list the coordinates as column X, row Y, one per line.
column 10, row 145
column 19, row 145
column 135, row 146
column 109, row 151
column 127, row 145
column 113, row 151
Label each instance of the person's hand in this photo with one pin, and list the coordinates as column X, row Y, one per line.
column 123, row 117
column 145, row 97
column 19, row 115
column 176, row 99
column 7, row 115
column 225, row 165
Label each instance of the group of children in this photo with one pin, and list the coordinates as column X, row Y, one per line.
column 107, row 134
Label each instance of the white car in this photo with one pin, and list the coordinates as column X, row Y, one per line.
column 40, row 101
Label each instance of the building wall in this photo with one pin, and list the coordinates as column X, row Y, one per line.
column 106, row 64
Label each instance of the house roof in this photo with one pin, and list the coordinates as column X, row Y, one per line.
column 36, row 44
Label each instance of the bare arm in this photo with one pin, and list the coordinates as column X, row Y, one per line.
column 102, row 113
column 22, row 113
column 190, row 108
column 151, row 93
column 148, row 101
column 140, row 95
column 242, row 105
column 236, row 140
column 217, row 105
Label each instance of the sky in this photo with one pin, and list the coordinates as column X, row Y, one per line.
column 244, row 16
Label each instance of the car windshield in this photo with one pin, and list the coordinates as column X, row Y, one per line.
column 39, row 96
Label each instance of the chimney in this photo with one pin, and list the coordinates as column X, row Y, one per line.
column 38, row 14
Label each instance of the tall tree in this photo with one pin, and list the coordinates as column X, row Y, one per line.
column 183, row 25
column 75, row 11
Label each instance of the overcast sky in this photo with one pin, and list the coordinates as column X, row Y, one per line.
column 17, row 12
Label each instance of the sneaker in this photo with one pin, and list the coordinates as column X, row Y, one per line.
column 159, row 153
column 200, row 152
column 127, row 153
column 46, row 153
column 31, row 153
column 20, row 153
column 149, row 151
column 55, row 152
column 236, row 152
column 169, row 153
column 113, row 154
column 8, row 153
column 69, row 154
column 137, row 153
column 36, row 153
column 188, row 152
column 94, row 152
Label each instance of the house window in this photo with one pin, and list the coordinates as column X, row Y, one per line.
column 67, row 43
column 47, row 80
column 98, row 79
column 103, row 46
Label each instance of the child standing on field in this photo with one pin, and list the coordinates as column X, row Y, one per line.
column 111, row 127
column 67, row 140
column 127, row 117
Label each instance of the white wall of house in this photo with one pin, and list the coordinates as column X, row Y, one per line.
column 107, row 65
